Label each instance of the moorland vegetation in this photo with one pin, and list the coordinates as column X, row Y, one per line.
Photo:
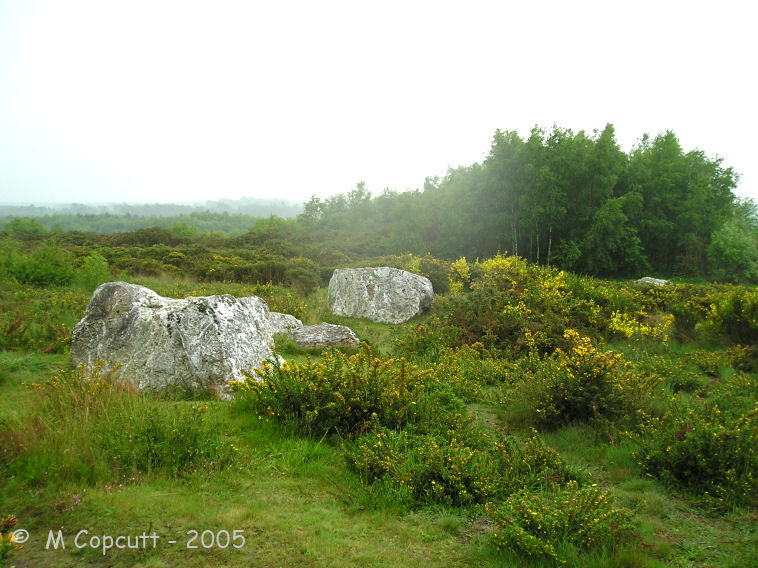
column 538, row 415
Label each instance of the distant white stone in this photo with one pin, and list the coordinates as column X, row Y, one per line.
column 325, row 335
column 380, row 294
column 155, row 342
column 649, row 281
column 283, row 323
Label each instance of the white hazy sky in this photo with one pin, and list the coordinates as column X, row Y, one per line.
column 160, row 101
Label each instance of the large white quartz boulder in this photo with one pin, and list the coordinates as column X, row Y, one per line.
column 155, row 342
column 381, row 294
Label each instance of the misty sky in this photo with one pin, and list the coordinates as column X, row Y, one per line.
column 163, row 101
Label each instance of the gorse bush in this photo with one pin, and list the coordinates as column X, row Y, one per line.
column 8, row 546
column 86, row 428
column 507, row 303
column 466, row 371
column 641, row 326
column 743, row 357
column 734, row 315
column 581, row 383
column 515, row 306
column 709, row 450
column 577, row 384
column 454, row 462
column 539, row 524
column 452, row 470
column 339, row 393
column 425, row 343
column 708, row 362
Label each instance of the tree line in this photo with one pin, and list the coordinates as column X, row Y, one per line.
column 226, row 216
column 566, row 199
column 558, row 198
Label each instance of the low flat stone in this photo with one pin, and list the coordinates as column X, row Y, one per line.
column 650, row 281
column 325, row 335
column 283, row 323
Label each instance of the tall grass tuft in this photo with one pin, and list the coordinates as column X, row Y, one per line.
column 86, row 428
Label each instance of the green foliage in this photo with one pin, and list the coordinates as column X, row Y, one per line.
column 7, row 545
column 24, row 227
column 734, row 314
column 451, row 470
column 47, row 265
column 733, row 250
column 538, row 525
column 743, row 357
column 339, row 393
column 39, row 319
column 284, row 344
column 557, row 197
column 434, row 269
column 580, row 383
column 611, row 246
column 515, row 306
column 425, row 342
column 733, row 253
column 302, row 275
column 708, row 449
column 468, row 371
column 575, row 385
column 93, row 272
column 453, row 462
column 87, row 429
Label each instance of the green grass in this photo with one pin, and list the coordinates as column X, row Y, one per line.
column 295, row 498
column 292, row 496
column 297, row 503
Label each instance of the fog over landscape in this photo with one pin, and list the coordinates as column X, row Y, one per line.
column 183, row 102
column 438, row 284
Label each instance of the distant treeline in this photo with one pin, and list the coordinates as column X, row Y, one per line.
column 559, row 198
column 227, row 216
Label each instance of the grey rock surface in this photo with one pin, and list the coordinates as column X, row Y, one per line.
column 283, row 323
column 382, row 294
column 156, row 342
column 325, row 335
column 649, row 281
